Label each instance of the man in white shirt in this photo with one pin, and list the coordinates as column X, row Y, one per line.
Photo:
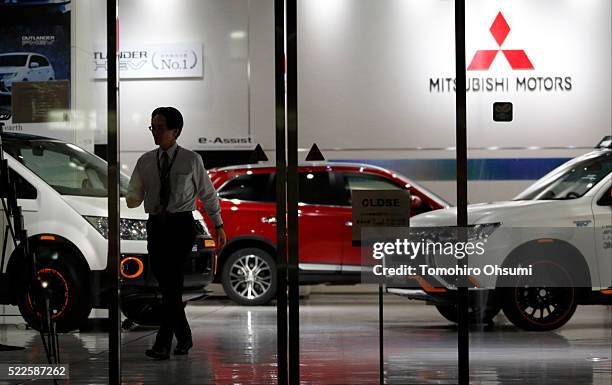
column 168, row 180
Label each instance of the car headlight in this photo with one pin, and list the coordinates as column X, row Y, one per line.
column 480, row 233
column 474, row 233
column 7, row 76
column 130, row 229
column 451, row 234
column 201, row 228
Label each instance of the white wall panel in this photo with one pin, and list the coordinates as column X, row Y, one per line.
column 364, row 75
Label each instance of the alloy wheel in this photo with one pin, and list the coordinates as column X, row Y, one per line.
column 250, row 276
column 543, row 304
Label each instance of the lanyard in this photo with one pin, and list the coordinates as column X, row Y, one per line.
column 169, row 166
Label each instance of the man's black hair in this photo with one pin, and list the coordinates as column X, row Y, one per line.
column 174, row 119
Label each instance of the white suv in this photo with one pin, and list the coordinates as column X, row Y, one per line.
column 23, row 67
column 62, row 190
column 565, row 221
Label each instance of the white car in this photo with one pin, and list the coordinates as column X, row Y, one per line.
column 62, row 190
column 565, row 222
column 23, row 67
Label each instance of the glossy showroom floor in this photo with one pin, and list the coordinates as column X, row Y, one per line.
column 339, row 345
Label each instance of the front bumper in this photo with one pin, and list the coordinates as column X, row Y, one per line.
column 422, row 295
column 6, row 85
column 446, row 297
column 198, row 269
column 138, row 281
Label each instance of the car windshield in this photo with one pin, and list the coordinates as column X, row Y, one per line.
column 13, row 60
column 69, row 169
column 570, row 180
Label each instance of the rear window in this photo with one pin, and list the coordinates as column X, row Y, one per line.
column 315, row 188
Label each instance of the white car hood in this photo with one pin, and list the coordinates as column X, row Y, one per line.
column 518, row 213
column 98, row 207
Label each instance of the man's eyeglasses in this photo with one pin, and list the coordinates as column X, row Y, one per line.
column 153, row 128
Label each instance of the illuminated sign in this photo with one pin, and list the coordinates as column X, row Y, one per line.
column 153, row 61
column 516, row 58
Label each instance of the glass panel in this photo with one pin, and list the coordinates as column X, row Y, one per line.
column 214, row 62
column 69, row 169
column 571, row 180
column 367, row 72
column 52, row 110
column 256, row 187
column 369, row 182
column 535, row 115
column 319, row 188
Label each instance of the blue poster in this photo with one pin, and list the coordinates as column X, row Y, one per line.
column 34, row 43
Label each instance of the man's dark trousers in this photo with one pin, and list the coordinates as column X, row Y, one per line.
column 170, row 238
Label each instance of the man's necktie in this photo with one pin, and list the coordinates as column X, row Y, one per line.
column 164, row 190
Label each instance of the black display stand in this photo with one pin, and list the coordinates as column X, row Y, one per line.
column 4, row 193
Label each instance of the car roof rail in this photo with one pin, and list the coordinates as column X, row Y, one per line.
column 606, row 142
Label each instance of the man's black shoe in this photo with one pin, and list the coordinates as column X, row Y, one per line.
column 182, row 348
column 158, row 354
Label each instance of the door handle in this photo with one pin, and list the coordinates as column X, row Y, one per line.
column 348, row 224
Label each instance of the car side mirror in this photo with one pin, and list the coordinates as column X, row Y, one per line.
column 606, row 199
column 34, row 65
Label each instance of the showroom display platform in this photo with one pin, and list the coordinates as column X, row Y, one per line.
column 339, row 345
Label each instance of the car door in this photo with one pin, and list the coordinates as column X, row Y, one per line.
column 46, row 71
column 351, row 259
column 248, row 206
column 602, row 213
column 321, row 221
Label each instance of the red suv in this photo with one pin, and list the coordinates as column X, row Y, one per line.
column 246, row 265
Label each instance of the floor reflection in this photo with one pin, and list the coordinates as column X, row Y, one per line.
column 339, row 345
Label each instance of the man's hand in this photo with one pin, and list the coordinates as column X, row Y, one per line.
column 220, row 238
column 132, row 202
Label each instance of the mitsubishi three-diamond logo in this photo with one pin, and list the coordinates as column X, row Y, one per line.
column 517, row 58
column 480, row 80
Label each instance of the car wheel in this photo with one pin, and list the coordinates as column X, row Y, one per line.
column 249, row 277
column 67, row 293
column 538, row 307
